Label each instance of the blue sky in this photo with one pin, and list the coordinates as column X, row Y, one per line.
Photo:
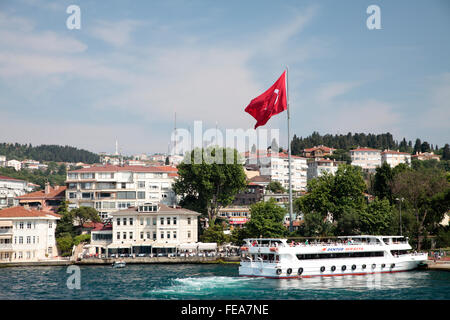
column 133, row 64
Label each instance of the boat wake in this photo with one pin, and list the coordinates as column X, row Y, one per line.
column 192, row 287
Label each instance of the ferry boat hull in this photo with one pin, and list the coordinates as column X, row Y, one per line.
column 290, row 266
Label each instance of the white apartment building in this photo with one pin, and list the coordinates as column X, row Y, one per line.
column 367, row 158
column 27, row 235
column 111, row 188
column 276, row 167
column 11, row 188
column 317, row 167
column 394, row 158
column 2, row 161
column 17, row 165
column 147, row 228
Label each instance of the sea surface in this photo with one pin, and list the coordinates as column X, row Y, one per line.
column 212, row 282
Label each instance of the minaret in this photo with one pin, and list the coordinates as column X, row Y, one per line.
column 117, row 148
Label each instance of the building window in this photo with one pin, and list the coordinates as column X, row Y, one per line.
column 174, row 234
column 142, row 235
column 174, row 220
column 148, row 235
column 118, row 235
column 189, row 234
column 20, row 240
column 118, row 221
column 131, row 221
column 154, row 235
column 131, row 235
column 141, row 184
column 154, row 221
column 148, row 221
column 189, row 220
column 162, row 235
column 21, row 225
column 28, row 239
column 141, row 195
column 161, row 221
column 124, row 221
column 142, row 221
column 168, row 220
column 168, row 234
column 29, row 225
column 124, row 235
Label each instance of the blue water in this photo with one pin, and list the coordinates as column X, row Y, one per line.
column 213, row 282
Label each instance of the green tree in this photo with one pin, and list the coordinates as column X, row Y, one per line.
column 85, row 214
column 422, row 189
column 214, row 233
column 65, row 244
column 446, row 152
column 210, row 179
column 275, row 187
column 315, row 225
column 377, row 218
column 266, row 220
column 383, row 182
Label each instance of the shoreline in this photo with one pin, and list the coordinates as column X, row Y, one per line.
column 96, row 261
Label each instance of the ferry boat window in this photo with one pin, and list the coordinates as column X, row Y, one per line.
column 386, row 240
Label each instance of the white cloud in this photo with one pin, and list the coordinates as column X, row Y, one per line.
column 116, row 33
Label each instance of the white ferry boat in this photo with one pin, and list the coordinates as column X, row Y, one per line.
column 349, row 255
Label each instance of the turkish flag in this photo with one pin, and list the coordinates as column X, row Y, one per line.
column 271, row 102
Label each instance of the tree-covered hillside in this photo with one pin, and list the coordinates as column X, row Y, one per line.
column 47, row 153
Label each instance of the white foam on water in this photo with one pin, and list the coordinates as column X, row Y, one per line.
column 203, row 286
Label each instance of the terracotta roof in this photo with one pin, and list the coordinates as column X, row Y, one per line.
column 162, row 208
column 260, row 179
column 112, row 168
column 9, row 178
column 54, row 193
column 365, row 149
column 319, row 148
column 19, row 212
column 393, row 152
column 97, row 226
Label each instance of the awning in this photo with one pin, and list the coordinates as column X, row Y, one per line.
column 119, row 246
column 6, row 223
column 164, row 245
column 198, row 246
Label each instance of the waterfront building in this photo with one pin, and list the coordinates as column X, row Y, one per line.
column 394, row 158
column 236, row 216
column 318, row 166
column 10, row 189
column 147, row 228
column 425, row 156
column 111, row 188
column 276, row 167
column 367, row 158
column 27, row 235
column 17, row 165
column 48, row 199
column 318, row 152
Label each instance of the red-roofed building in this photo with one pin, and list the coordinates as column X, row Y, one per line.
column 425, row 156
column 367, row 158
column 109, row 188
column 27, row 235
column 318, row 152
column 394, row 158
column 48, row 199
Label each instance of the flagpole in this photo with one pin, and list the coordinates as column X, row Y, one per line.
column 289, row 151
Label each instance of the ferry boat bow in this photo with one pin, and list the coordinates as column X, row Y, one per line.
column 349, row 255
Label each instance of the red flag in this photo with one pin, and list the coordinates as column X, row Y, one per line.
column 270, row 103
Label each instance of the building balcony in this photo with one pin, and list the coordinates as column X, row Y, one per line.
column 6, row 247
